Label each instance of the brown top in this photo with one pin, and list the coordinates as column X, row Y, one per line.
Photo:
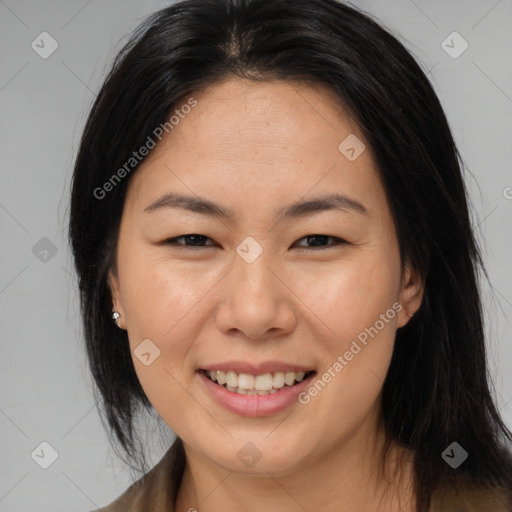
column 469, row 499
column 155, row 492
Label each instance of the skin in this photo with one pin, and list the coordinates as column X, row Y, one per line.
column 253, row 148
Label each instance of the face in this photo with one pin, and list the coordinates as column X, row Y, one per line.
column 262, row 292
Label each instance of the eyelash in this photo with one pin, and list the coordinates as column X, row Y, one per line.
column 173, row 241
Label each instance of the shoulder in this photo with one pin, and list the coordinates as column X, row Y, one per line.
column 471, row 498
column 155, row 490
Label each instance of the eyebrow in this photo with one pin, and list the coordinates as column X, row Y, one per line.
column 299, row 209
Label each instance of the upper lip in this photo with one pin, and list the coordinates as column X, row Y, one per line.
column 256, row 368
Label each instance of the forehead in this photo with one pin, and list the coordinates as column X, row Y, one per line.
column 269, row 117
column 250, row 141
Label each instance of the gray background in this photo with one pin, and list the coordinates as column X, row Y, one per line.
column 45, row 388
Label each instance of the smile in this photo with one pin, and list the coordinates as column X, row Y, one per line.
column 247, row 384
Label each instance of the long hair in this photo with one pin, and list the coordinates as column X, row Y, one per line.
column 437, row 390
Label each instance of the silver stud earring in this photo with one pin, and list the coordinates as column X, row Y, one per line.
column 115, row 317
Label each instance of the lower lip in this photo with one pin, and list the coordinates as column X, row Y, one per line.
column 255, row 405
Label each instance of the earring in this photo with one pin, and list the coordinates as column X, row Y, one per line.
column 115, row 317
column 411, row 315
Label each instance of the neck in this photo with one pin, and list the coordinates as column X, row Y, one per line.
column 351, row 476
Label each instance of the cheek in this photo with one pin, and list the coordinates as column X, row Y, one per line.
column 162, row 304
column 351, row 294
column 357, row 306
column 167, row 302
column 160, row 294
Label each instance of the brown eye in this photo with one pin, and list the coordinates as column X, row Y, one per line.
column 194, row 239
column 319, row 240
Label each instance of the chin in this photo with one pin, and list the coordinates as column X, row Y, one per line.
column 256, row 454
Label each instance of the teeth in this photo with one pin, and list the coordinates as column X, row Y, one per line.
column 246, row 384
column 289, row 378
column 232, row 379
column 246, row 381
column 263, row 382
column 278, row 381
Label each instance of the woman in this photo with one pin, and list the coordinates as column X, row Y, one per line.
column 268, row 201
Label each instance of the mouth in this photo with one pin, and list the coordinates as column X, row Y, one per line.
column 260, row 385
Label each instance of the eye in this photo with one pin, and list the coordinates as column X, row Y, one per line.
column 318, row 239
column 195, row 239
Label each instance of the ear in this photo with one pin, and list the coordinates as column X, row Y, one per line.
column 117, row 303
column 411, row 295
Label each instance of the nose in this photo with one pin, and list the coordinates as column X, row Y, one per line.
column 256, row 302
